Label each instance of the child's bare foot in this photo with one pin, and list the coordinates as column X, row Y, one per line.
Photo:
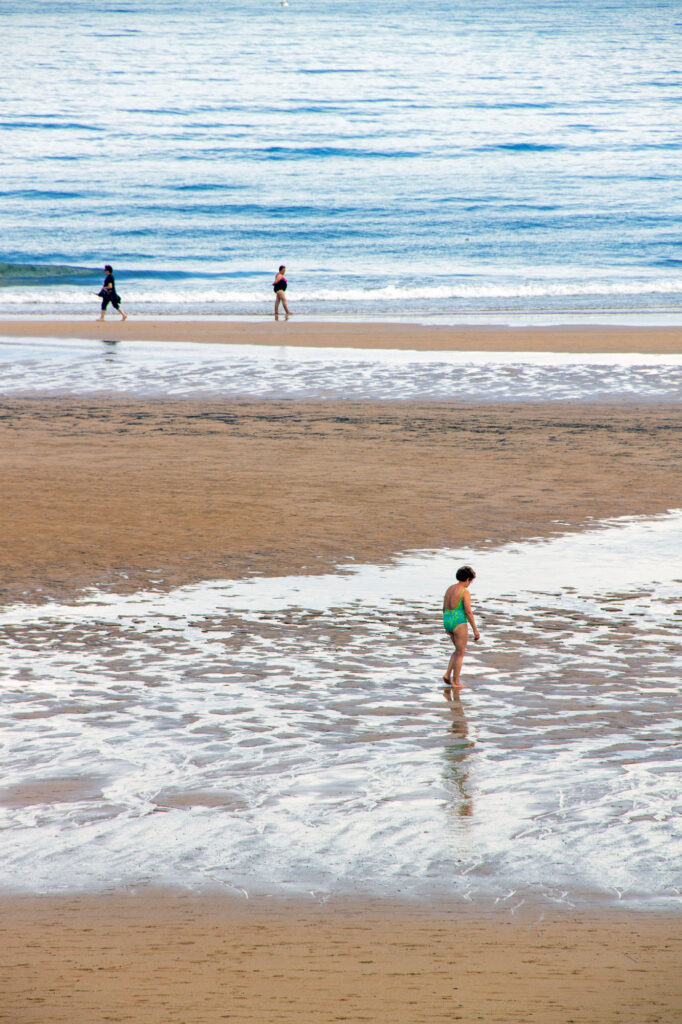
column 124, row 316
column 446, row 680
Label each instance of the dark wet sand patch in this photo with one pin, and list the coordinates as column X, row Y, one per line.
column 131, row 494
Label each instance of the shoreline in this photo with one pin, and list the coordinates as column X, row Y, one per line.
column 151, row 956
column 365, row 335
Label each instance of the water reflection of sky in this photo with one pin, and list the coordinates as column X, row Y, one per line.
column 156, row 369
column 290, row 735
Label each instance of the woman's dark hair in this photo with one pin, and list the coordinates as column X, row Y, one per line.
column 465, row 573
column 282, row 268
column 109, row 268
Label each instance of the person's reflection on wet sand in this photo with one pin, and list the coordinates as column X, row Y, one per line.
column 109, row 349
column 455, row 752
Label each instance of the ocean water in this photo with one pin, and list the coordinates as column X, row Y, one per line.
column 158, row 370
column 419, row 159
column 290, row 736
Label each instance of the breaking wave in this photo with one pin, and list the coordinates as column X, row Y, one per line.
column 199, row 294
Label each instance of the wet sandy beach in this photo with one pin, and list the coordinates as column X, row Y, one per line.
column 576, row 338
column 124, row 493
column 244, row 741
column 421, row 337
column 289, row 736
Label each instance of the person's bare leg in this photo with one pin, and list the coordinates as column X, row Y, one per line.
column 459, row 639
column 447, row 678
column 124, row 316
column 280, row 298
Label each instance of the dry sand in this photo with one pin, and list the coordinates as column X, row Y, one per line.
column 190, row 960
column 181, row 491
column 266, row 331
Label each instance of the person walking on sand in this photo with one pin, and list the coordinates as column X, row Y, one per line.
column 108, row 294
column 280, row 286
column 456, row 614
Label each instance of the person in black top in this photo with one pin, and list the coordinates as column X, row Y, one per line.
column 280, row 286
column 108, row 293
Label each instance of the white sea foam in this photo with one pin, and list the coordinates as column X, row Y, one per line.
column 289, row 735
column 226, row 295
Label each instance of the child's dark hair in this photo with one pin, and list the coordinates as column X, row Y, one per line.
column 281, row 268
column 465, row 573
column 108, row 267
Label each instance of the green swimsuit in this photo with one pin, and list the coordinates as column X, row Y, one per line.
column 453, row 617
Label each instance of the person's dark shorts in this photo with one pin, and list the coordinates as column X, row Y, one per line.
column 107, row 298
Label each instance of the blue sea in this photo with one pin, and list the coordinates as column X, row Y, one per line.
column 421, row 160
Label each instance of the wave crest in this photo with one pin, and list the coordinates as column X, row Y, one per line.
column 31, row 273
column 255, row 292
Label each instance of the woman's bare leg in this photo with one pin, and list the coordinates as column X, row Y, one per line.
column 447, row 678
column 281, row 298
column 459, row 639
